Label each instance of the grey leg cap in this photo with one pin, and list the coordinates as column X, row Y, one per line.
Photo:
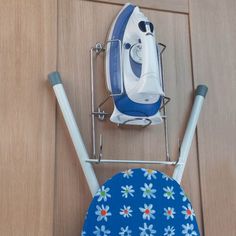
column 54, row 78
column 201, row 90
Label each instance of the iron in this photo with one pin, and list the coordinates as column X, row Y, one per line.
column 133, row 69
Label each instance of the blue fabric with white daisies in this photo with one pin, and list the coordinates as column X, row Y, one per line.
column 140, row 202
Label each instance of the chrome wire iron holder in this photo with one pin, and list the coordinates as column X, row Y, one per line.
column 100, row 114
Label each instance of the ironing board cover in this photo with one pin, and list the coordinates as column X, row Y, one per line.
column 140, row 202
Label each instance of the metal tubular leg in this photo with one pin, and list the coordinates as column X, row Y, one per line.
column 111, row 161
column 82, row 154
column 189, row 133
column 92, row 103
column 164, row 105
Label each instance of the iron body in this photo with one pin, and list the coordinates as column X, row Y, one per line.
column 133, row 69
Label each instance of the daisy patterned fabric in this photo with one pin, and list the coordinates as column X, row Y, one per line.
column 140, row 202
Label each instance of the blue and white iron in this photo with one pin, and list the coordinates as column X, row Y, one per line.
column 133, row 69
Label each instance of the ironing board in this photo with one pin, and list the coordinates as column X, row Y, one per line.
column 136, row 202
column 141, row 202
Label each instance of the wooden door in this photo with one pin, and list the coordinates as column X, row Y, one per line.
column 81, row 25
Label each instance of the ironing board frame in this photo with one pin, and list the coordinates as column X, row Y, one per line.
column 82, row 154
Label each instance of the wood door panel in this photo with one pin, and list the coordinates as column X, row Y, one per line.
column 180, row 6
column 28, row 53
column 214, row 61
column 77, row 34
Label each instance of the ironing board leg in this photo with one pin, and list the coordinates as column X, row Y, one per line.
column 189, row 133
column 82, row 154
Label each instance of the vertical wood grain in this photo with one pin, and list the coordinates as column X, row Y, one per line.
column 28, row 50
column 180, row 6
column 81, row 25
column 213, row 34
column 27, row 118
